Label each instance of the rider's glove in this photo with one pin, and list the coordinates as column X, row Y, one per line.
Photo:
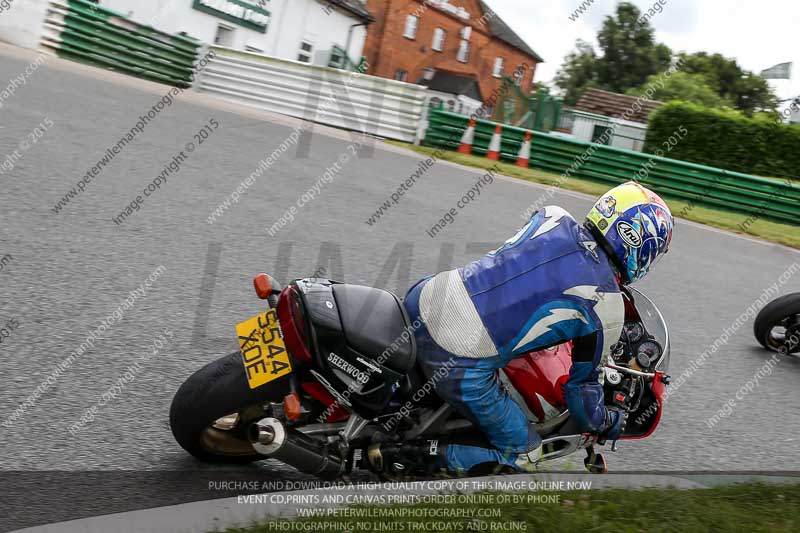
column 615, row 419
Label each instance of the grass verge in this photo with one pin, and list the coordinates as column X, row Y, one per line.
column 746, row 507
column 728, row 220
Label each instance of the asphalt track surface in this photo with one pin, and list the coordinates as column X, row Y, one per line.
column 71, row 270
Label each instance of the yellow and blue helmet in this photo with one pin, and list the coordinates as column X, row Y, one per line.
column 634, row 225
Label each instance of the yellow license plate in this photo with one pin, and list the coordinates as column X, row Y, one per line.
column 263, row 352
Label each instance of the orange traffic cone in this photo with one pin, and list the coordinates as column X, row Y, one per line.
column 466, row 140
column 494, row 145
column 525, row 151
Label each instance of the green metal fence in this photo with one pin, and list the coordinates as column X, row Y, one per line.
column 698, row 184
column 85, row 32
column 540, row 112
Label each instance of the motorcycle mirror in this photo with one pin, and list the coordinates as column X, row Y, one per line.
column 262, row 285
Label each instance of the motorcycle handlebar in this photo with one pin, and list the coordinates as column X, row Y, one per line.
column 646, row 375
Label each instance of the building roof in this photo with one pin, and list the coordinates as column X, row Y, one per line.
column 615, row 105
column 451, row 83
column 498, row 28
column 356, row 8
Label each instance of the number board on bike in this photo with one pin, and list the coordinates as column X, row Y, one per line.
column 263, row 351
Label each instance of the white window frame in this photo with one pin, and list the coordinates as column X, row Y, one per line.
column 439, row 38
column 309, row 53
column 412, row 25
column 463, row 51
column 499, row 64
column 342, row 59
column 401, row 75
column 228, row 28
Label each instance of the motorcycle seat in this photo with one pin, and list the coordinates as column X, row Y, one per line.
column 373, row 321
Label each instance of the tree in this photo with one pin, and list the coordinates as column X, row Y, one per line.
column 629, row 57
column 682, row 86
column 578, row 73
column 746, row 91
column 630, row 53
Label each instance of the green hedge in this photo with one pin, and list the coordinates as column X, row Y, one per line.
column 727, row 139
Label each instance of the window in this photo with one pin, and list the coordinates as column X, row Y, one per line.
column 412, row 23
column 427, row 73
column 337, row 57
column 224, row 35
column 438, row 39
column 601, row 134
column 499, row 62
column 401, row 75
column 463, row 52
column 306, row 52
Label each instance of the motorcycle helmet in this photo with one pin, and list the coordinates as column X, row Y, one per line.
column 634, row 226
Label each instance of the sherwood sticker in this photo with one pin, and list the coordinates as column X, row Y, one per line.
column 347, row 368
column 629, row 234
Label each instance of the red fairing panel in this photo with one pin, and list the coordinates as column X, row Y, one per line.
column 292, row 322
column 540, row 376
column 335, row 412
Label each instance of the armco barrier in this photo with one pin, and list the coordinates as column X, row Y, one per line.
column 339, row 98
column 85, row 32
column 713, row 187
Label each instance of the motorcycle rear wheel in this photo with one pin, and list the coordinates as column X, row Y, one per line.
column 779, row 320
column 211, row 411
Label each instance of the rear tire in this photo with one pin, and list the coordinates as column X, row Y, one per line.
column 772, row 316
column 215, row 391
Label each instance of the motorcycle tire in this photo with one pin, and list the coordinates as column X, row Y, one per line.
column 773, row 315
column 218, row 390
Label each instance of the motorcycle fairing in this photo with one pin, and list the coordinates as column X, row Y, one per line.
column 539, row 376
column 362, row 342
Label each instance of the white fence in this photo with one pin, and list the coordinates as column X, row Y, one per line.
column 349, row 100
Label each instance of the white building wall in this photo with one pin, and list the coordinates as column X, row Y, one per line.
column 291, row 21
column 308, row 20
column 627, row 135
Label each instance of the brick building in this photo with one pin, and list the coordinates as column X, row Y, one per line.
column 459, row 47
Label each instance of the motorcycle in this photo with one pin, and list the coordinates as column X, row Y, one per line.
column 777, row 326
column 329, row 369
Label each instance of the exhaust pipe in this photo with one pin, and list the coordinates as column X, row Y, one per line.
column 271, row 438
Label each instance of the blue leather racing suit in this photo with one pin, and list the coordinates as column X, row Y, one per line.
column 548, row 284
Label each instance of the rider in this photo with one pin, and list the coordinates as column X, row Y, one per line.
column 555, row 280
